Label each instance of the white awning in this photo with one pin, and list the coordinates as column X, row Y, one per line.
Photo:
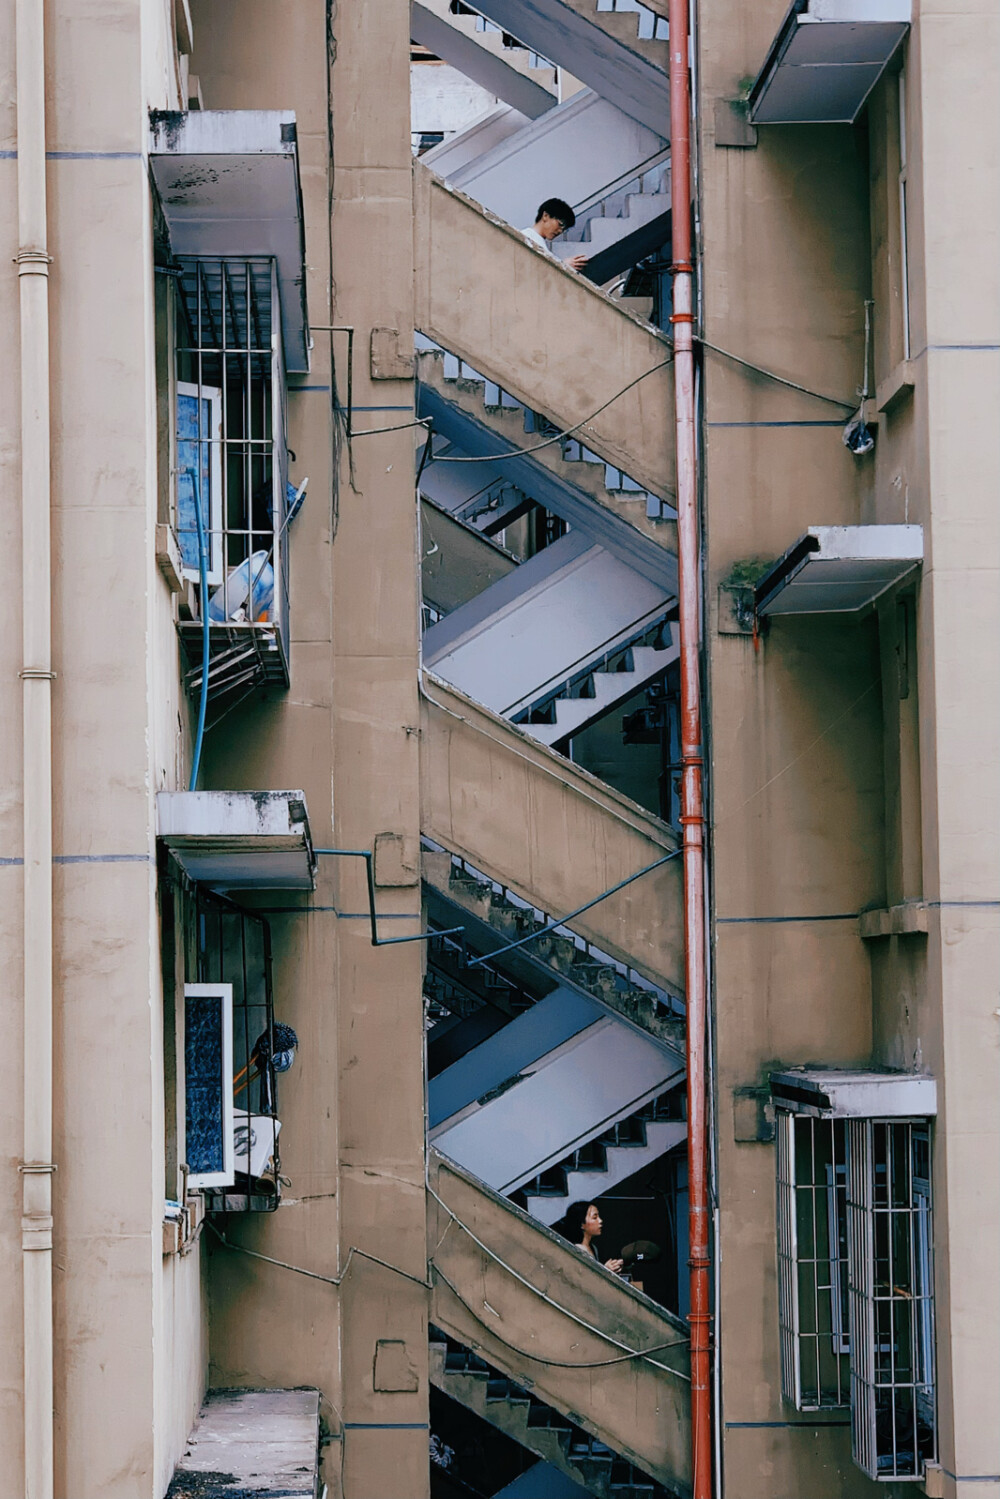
column 838, row 569
column 827, row 57
column 228, row 182
column 833, row 1094
column 239, row 840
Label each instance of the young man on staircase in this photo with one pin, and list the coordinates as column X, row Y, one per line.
column 553, row 218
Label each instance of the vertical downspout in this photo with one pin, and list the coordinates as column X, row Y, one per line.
column 36, row 676
column 692, row 758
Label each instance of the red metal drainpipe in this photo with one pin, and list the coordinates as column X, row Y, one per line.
column 692, row 796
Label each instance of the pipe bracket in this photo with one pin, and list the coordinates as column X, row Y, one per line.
column 32, row 262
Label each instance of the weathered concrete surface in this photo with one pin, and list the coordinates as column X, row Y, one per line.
column 638, row 1406
column 542, row 332
column 458, row 561
column 252, row 1442
column 550, row 831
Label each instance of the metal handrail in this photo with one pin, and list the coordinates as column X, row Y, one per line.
column 622, row 180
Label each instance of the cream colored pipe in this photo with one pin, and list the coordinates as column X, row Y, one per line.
column 36, row 1167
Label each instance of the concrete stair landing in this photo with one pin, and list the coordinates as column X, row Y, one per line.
column 248, row 1442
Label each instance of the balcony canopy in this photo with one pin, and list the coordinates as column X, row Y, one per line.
column 839, row 569
column 239, row 840
column 228, row 182
column 876, row 1094
column 827, row 57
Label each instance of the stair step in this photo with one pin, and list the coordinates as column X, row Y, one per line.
column 441, row 370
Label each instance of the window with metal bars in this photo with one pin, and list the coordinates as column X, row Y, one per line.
column 855, row 1282
column 891, row 1297
column 233, row 949
column 812, row 1261
column 230, row 496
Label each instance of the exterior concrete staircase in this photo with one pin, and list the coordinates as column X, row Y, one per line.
column 550, row 1324
column 615, row 51
column 625, row 225
column 515, row 1410
column 514, row 1118
column 610, row 1158
column 476, row 48
column 480, row 417
column 546, row 335
column 589, row 148
column 552, row 837
column 602, row 686
column 558, row 642
column 565, row 954
column 458, row 561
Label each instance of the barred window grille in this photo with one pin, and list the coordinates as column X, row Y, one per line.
column 889, row 1215
column 812, row 1261
column 232, row 950
column 230, row 459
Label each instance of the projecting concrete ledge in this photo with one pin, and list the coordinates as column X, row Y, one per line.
column 894, row 921
column 252, row 1442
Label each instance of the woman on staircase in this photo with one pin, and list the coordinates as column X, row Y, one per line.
column 583, row 1226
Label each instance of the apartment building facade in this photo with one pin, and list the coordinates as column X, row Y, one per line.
column 345, row 717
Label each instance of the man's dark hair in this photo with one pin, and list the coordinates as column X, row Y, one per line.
column 557, row 209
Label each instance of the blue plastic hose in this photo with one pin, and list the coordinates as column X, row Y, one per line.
column 199, row 737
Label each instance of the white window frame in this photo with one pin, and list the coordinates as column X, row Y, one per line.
column 212, row 514
column 227, row 1176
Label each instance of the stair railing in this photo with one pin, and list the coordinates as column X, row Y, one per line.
column 625, row 179
column 652, row 27
column 668, row 1002
column 585, row 666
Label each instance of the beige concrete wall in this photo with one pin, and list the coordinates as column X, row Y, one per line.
column 938, row 465
column 853, row 764
column 347, row 732
column 639, row 1408
column 128, row 1329
column 797, row 785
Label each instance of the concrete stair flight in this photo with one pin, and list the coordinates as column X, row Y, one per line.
column 476, row 48
column 559, row 1328
column 639, row 210
column 550, row 1106
column 458, row 561
column 589, row 697
column 559, row 641
column 512, row 1408
column 567, row 477
column 607, row 1160
column 592, row 151
column 541, row 831
column 550, row 338
column 619, row 52
column 564, row 955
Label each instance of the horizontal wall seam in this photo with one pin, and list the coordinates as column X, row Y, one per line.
column 83, row 156
column 768, row 920
column 88, row 859
column 790, row 1425
column 960, row 349
column 931, row 905
column 774, row 424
